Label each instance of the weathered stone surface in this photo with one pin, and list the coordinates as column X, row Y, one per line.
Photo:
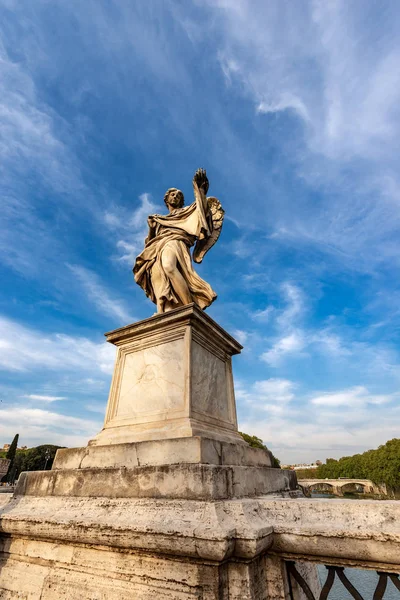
column 353, row 532
column 194, row 450
column 5, row 498
column 172, row 378
column 359, row 532
column 205, row 530
column 193, row 482
column 184, row 549
column 41, row 569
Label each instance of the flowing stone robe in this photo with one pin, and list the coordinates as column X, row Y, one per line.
column 178, row 231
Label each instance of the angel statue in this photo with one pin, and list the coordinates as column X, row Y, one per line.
column 164, row 269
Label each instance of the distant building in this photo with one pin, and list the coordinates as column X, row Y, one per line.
column 299, row 467
column 6, row 447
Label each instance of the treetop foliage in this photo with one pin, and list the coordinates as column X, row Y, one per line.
column 307, row 473
column 33, row 459
column 380, row 466
column 255, row 442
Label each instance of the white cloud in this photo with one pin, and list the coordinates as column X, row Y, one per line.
column 338, row 78
column 352, row 397
column 301, row 427
column 131, row 227
column 329, row 342
column 289, row 344
column 43, row 398
column 291, row 339
column 100, row 297
column 287, row 101
column 25, row 349
column 298, row 441
column 295, row 305
column 30, row 132
column 263, row 315
column 334, row 66
column 240, row 335
column 269, row 395
column 37, row 426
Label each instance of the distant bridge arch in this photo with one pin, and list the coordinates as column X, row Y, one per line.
column 339, row 487
column 319, row 486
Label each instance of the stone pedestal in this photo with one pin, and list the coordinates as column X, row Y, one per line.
column 166, row 502
column 172, row 379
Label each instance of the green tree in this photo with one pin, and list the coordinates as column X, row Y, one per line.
column 255, row 442
column 11, row 452
column 39, row 458
column 307, row 474
column 381, row 465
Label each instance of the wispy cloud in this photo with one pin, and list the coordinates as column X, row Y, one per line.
column 131, row 228
column 43, row 398
column 270, row 395
column 341, row 82
column 352, row 397
column 289, row 344
column 264, row 314
column 26, row 349
column 99, row 296
column 42, row 426
column 319, row 426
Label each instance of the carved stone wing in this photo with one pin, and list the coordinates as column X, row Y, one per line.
column 217, row 217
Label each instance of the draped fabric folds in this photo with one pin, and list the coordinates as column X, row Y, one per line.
column 178, row 231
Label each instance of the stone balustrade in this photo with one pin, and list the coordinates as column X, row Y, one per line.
column 252, row 543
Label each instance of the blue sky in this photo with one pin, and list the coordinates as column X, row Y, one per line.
column 293, row 109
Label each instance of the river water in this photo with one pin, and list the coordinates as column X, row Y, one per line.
column 365, row 582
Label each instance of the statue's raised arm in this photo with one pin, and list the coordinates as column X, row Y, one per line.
column 164, row 269
column 213, row 210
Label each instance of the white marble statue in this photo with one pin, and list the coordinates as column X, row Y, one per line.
column 164, row 269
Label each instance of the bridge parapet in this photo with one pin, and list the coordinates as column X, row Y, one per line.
column 339, row 534
column 299, row 533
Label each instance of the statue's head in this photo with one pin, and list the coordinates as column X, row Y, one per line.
column 174, row 198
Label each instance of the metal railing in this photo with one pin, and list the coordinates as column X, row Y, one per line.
column 338, row 574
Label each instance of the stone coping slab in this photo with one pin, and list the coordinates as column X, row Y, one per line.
column 200, row 482
column 188, row 314
column 195, row 450
column 203, row 530
column 357, row 533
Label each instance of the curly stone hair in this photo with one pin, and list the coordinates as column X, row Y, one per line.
column 167, row 193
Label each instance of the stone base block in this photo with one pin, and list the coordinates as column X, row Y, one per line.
column 164, row 430
column 172, row 379
column 194, row 450
column 193, row 482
